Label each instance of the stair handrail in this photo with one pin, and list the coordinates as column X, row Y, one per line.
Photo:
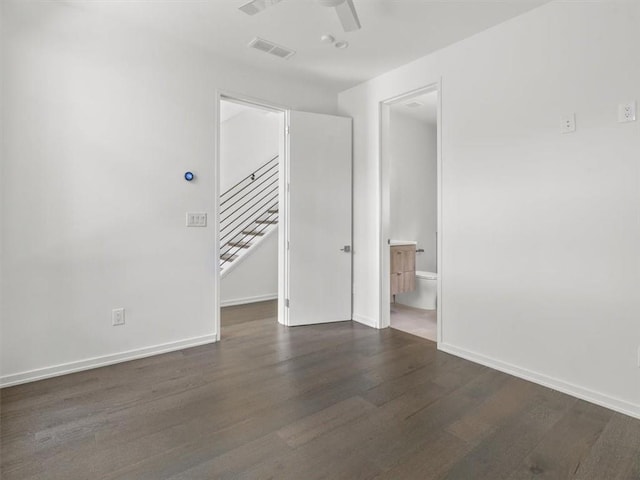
column 233, row 250
column 252, row 176
column 228, row 232
column 270, row 184
column 257, row 203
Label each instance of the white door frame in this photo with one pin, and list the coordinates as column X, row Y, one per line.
column 384, row 221
column 283, row 210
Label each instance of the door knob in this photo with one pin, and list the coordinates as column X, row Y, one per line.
column 346, row 249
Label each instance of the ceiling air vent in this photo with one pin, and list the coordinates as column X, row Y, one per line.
column 256, row 6
column 271, row 48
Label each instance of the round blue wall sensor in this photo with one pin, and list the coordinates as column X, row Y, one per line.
column 188, row 176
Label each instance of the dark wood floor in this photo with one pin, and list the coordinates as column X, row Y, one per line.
column 338, row 401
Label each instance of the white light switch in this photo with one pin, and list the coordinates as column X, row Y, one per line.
column 196, row 219
column 627, row 112
column 568, row 123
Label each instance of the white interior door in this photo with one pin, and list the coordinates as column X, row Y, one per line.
column 319, row 219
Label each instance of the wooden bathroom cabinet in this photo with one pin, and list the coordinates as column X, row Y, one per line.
column 403, row 268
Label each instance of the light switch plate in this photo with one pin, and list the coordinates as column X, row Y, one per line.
column 568, row 123
column 627, row 112
column 196, row 219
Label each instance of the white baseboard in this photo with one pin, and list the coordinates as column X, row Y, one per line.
column 369, row 322
column 242, row 301
column 95, row 362
column 592, row 396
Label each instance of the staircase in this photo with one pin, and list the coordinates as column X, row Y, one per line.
column 248, row 212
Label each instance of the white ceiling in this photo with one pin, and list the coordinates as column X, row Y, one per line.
column 393, row 32
column 229, row 109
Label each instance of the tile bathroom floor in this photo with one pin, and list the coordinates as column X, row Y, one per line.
column 415, row 321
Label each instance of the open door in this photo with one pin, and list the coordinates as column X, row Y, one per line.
column 318, row 225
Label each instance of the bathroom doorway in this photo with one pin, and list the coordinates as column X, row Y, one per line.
column 410, row 212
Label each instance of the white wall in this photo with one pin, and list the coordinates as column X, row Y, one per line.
column 540, row 231
column 412, row 184
column 101, row 120
column 255, row 278
column 247, row 141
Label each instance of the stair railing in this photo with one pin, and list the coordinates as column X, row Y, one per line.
column 247, row 209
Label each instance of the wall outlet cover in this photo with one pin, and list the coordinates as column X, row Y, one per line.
column 117, row 316
column 627, row 112
column 568, row 123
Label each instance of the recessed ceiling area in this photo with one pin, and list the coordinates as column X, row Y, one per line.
column 393, row 32
column 423, row 108
column 230, row 108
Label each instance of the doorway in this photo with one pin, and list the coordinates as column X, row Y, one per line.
column 310, row 202
column 250, row 165
column 410, row 213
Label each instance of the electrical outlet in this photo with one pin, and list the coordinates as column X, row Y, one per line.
column 117, row 316
column 568, row 123
column 627, row 112
column 196, row 219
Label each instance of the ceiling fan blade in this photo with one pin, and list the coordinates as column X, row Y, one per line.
column 348, row 17
column 256, row 6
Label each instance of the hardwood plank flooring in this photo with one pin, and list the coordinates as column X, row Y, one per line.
column 338, row 401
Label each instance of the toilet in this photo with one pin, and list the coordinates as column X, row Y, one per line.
column 425, row 294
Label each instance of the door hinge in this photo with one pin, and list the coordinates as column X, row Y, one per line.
column 287, row 129
column 288, row 245
column 286, row 302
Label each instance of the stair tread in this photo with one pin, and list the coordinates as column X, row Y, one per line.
column 267, row 221
column 239, row 244
column 253, row 232
column 228, row 257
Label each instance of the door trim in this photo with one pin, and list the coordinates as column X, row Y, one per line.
column 283, row 227
column 383, row 207
column 227, row 95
